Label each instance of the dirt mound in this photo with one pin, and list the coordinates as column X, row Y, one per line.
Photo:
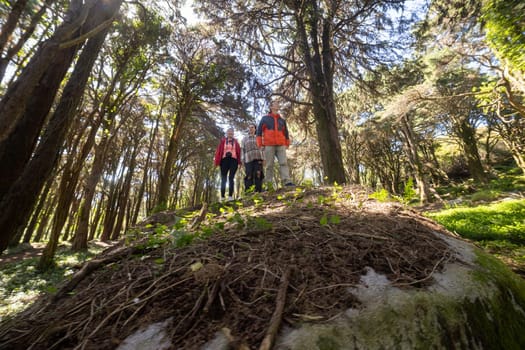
column 305, row 246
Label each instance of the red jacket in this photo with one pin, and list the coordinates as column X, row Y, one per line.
column 272, row 131
column 219, row 152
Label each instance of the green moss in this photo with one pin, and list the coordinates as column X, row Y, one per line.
column 500, row 274
column 327, row 343
column 507, row 306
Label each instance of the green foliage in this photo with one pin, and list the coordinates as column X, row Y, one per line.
column 508, row 182
column 269, row 187
column 307, row 183
column 182, row 238
column 257, row 199
column 409, row 192
column 335, row 219
column 505, row 250
column 236, row 218
column 322, row 199
column 337, row 190
column 324, row 220
column 504, row 22
column 495, row 222
column 258, row 224
column 495, row 189
column 329, row 219
column 381, row 195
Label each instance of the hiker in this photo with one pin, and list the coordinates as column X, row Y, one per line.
column 272, row 136
column 253, row 159
column 228, row 157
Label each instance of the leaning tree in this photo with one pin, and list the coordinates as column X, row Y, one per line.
column 28, row 148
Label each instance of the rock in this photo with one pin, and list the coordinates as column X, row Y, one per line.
column 152, row 337
column 477, row 305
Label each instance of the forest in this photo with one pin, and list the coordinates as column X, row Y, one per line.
column 110, row 110
column 406, row 120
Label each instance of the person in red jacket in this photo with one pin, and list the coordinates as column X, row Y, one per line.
column 272, row 136
column 228, row 157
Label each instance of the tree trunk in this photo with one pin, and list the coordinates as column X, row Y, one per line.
column 513, row 135
column 110, row 212
column 70, row 225
column 329, row 144
column 10, row 23
column 18, row 194
column 353, row 158
column 17, row 146
column 40, row 78
column 467, row 135
column 169, row 161
column 38, row 211
column 178, row 181
column 142, row 187
column 319, row 62
column 81, row 234
column 47, row 215
column 69, row 182
column 414, row 159
column 124, row 193
column 95, row 222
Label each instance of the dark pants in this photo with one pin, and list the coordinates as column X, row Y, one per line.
column 254, row 175
column 228, row 165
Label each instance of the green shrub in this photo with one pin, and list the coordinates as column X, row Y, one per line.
column 381, row 196
column 409, row 192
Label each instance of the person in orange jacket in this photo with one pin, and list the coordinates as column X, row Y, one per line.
column 228, row 157
column 273, row 138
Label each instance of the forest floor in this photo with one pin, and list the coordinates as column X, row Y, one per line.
column 23, row 252
column 253, row 266
column 35, row 249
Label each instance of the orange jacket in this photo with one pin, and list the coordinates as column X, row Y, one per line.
column 272, row 131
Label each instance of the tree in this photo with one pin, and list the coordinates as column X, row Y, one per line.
column 311, row 48
column 58, row 127
column 457, row 109
column 27, row 102
column 128, row 62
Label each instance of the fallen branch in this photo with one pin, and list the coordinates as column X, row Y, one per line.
column 89, row 267
column 277, row 316
column 199, row 218
column 212, row 295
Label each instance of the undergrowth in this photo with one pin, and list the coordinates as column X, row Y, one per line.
column 498, row 227
column 21, row 284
